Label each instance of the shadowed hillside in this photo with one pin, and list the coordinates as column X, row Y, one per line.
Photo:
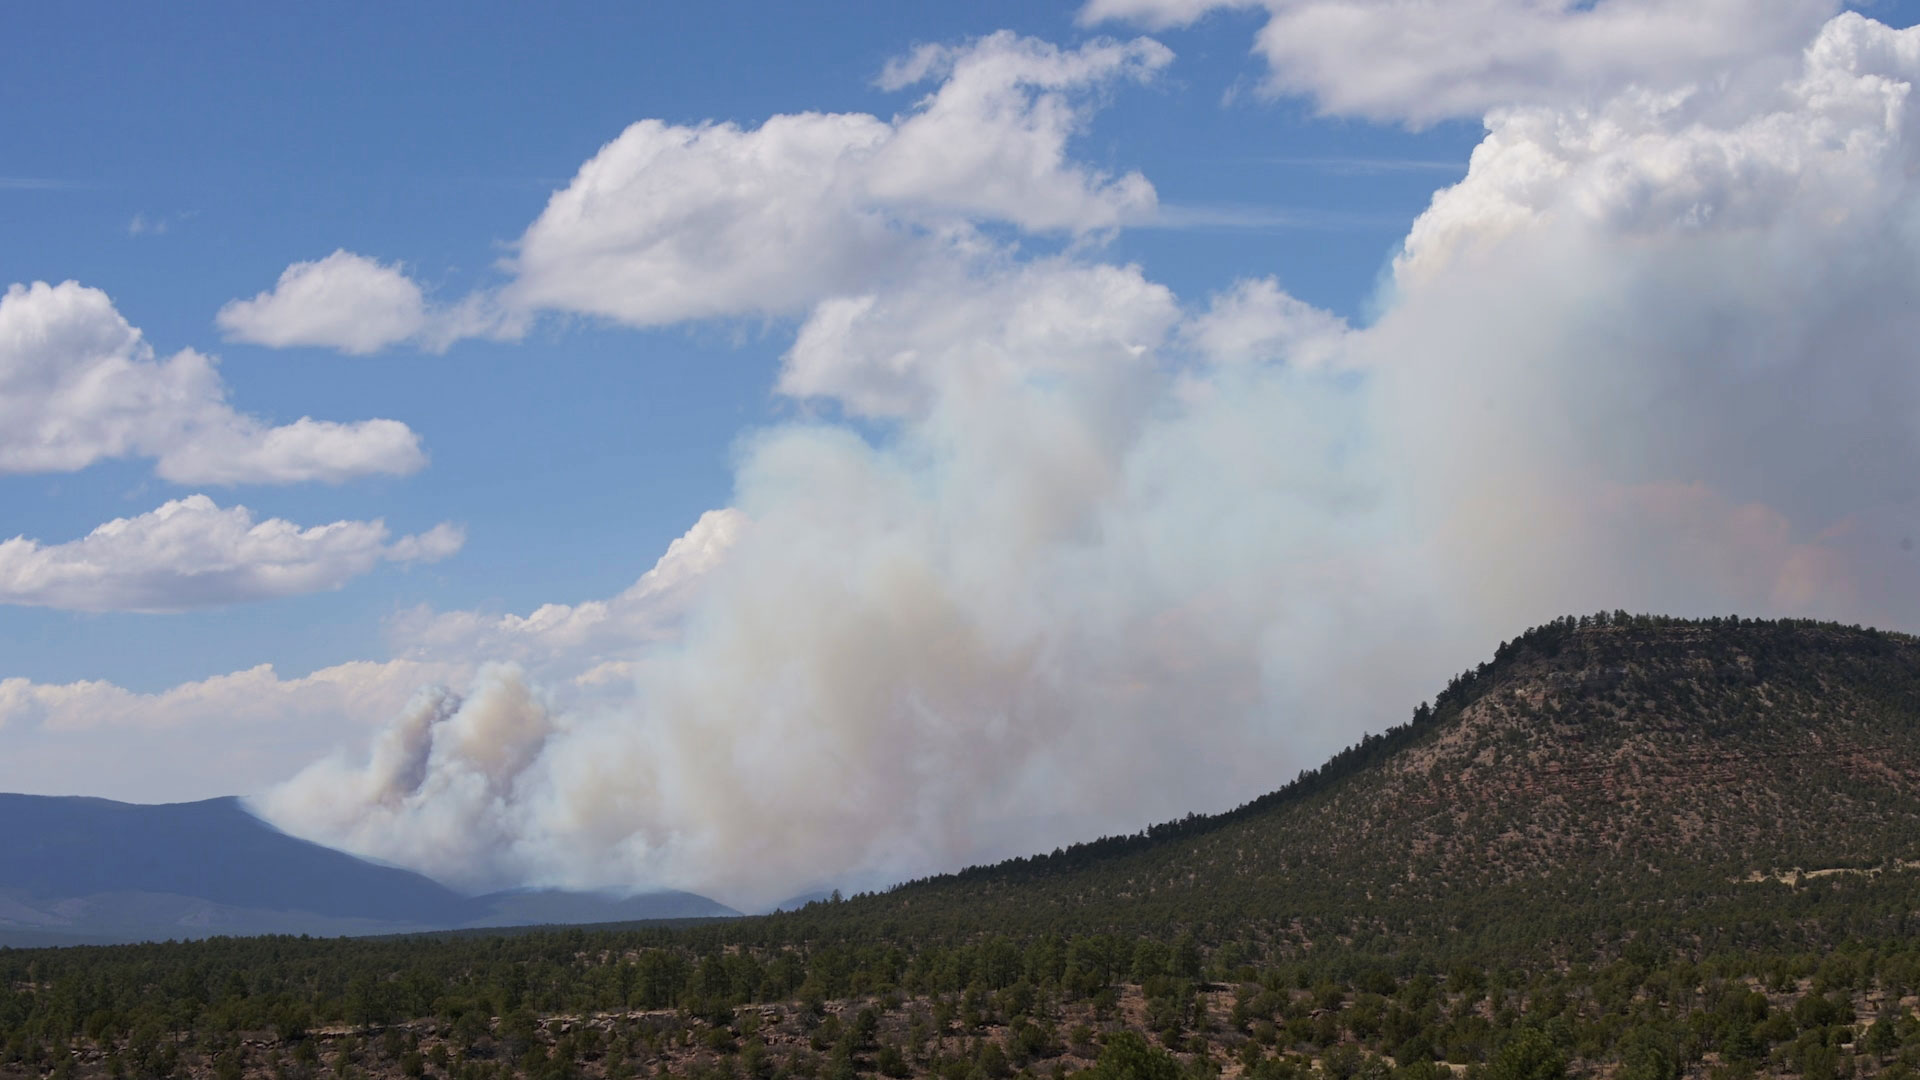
column 77, row 870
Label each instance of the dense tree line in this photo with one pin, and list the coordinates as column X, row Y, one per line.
column 691, row 1004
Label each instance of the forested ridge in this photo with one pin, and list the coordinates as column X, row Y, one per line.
column 1626, row 845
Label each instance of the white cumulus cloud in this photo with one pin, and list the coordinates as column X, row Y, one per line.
column 357, row 305
column 191, row 553
column 78, row 384
column 246, row 731
column 668, row 223
column 1257, row 319
column 1419, row 61
column 345, row 301
column 979, row 334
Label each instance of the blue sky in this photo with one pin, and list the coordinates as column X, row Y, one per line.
column 750, row 447
column 432, row 136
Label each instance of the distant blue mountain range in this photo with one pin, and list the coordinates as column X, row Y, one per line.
column 79, row 870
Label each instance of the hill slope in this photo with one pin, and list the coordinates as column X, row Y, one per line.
column 1598, row 774
column 78, row 869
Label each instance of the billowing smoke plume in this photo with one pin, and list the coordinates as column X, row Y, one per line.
column 1111, row 557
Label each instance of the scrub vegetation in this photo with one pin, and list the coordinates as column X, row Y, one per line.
column 1626, row 846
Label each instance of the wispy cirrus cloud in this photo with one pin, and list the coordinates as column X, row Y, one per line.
column 1369, row 166
column 1202, row 216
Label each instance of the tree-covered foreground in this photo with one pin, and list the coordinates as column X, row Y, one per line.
column 1627, row 847
column 691, row 1004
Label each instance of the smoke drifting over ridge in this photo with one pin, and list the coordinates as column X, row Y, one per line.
column 1114, row 556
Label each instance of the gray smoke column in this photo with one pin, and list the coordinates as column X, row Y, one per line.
column 1112, row 558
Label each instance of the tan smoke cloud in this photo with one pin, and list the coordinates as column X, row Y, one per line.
column 1109, row 559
